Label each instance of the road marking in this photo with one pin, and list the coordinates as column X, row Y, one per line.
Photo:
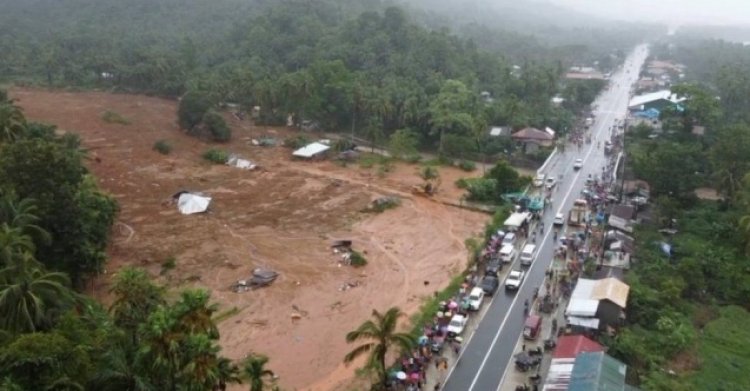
column 513, row 303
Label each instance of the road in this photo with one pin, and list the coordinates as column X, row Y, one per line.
column 482, row 363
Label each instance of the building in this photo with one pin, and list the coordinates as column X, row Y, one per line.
column 597, row 304
column 500, row 131
column 656, row 100
column 621, row 217
column 533, row 138
column 597, row 371
column 563, row 359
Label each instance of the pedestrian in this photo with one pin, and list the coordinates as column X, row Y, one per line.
column 523, row 347
column 437, row 386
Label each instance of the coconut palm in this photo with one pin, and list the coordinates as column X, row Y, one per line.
column 254, row 369
column 226, row 373
column 195, row 313
column 136, row 297
column 118, row 370
column 29, row 295
column 381, row 336
column 199, row 366
column 13, row 243
column 22, row 216
column 12, row 122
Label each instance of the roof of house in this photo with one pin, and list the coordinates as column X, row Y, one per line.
column 496, row 131
column 568, row 346
column 585, row 76
column 532, row 134
column 654, row 96
column 625, row 212
column 596, row 371
column 613, row 290
column 311, row 150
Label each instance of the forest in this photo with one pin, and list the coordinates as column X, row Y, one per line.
column 686, row 304
column 364, row 68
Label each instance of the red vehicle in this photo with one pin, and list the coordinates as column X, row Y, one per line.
column 532, row 327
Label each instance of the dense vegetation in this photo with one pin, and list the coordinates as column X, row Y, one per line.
column 54, row 225
column 684, row 302
column 360, row 67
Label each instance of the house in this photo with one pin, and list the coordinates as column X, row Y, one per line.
column 563, row 360
column 657, row 100
column 500, row 131
column 585, row 76
column 533, row 138
column 312, row 151
column 597, row 371
column 597, row 304
column 698, row 130
column 621, row 217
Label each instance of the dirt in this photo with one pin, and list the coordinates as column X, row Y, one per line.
column 283, row 216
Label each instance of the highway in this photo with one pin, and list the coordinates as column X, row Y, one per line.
column 486, row 353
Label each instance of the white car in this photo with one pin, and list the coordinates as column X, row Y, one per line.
column 578, row 164
column 457, row 324
column 559, row 219
column 509, row 239
column 475, row 298
column 507, row 253
column 514, row 280
column 539, row 180
column 550, row 183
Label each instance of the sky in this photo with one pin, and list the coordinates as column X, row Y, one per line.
column 719, row 12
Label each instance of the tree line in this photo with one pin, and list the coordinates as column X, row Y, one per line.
column 54, row 226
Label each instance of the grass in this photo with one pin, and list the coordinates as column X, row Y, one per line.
column 168, row 264
column 222, row 316
column 216, row 156
column 114, row 118
column 369, row 160
column 724, row 352
column 163, row 147
column 430, row 307
column 357, row 259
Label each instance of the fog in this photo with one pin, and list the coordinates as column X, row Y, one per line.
column 703, row 12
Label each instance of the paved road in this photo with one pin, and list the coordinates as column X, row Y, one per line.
column 482, row 363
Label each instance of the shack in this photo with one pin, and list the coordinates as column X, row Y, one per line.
column 314, row 150
column 516, row 221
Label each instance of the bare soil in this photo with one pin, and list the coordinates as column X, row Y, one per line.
column 282, row 217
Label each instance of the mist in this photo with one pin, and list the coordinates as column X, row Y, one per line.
column 673, row 12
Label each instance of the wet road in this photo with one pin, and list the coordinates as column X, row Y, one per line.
column 482, row 363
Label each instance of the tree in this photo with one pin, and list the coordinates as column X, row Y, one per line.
column 670, row 169
column 226, row 372
column 12, row 122
column 136, row 297
column 30, row 297
column 254, row 369
column 216, row 126
column 451, row 111
column 381, row 336
column 403, row 144
column 506, row 178
column 730, row 158
column 22, row 216
column 193, row 106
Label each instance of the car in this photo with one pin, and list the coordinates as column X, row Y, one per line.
column 539, row 180
column 509, row 239
column 457, row 325
column 493, row 267
column 559, row 219
column 475, row 298
column 514, row 280
column 578, row 164
column 489, row 285
column 507, row 253
column 527, row 254
column 550, row 182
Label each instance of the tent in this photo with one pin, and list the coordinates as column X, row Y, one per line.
column 190, row 203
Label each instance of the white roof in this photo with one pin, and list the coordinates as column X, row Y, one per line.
column 558, row 376
column 311, row 150
column 589, row 323
column 192, row 203
column 549, row 131
column 654, row 96
column 581, row 302
column 496, row 131
column 516, row 219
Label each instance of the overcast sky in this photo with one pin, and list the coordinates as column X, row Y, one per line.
column 679, row 11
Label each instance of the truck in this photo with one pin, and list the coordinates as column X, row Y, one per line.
column 578, row 213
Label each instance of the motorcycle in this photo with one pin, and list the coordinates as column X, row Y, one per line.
column 536, row 352
column 549, row 344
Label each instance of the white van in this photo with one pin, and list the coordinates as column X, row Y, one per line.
column 527, row 254
column 475, row 298
column 508, row 253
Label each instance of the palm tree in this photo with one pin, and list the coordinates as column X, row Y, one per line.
column 12, row 122
column 226, row 372
column 380, row 334
column 22, row 216
column 118, row 371
column 13, row 243
column 160, row 345
column 194, row 313
column 254, row 369
column 29, row 295
column 199, row 369
column 136, row 297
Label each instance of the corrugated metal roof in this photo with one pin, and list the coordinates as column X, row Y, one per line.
column 613, row 290
column 589, row 323
column 568, row 346
column 311, row 150
column 582, row 307
column 596, row 371
column 654, row 96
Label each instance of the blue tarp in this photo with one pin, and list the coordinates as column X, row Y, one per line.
column 651, row 113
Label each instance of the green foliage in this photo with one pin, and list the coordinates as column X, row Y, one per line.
column 216, row 127
column 168, row 264
column 193, row 107
column 482, row 190
column 163, row 147
column 579, row 94
column 670, row 169
column 467, row 165
column 296, row 142
column 255, row 371
column 403, row 144
column 430, row 307
column 428, row 173
column 114, row 118
column 357, row 259
column 216, row 156
column 730, row 158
